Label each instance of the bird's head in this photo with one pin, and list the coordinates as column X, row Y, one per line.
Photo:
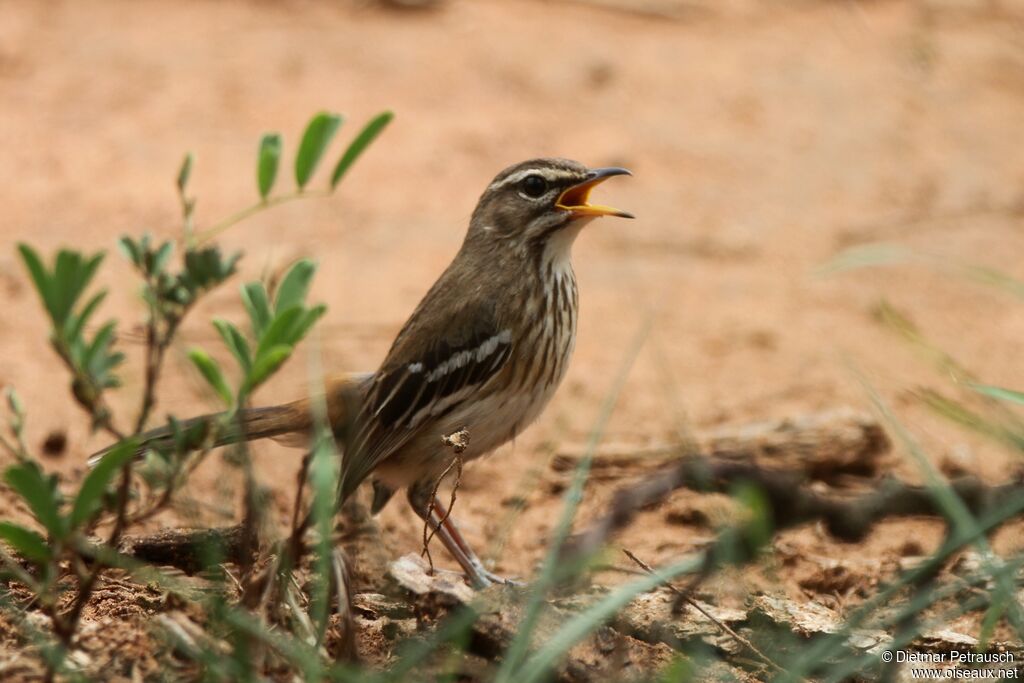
column 533, row 201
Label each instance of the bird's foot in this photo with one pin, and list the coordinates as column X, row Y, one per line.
column 482, row 577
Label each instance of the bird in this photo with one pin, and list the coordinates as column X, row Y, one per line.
column 482, row 353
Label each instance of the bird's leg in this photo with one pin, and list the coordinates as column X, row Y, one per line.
column 431, row 510
column 381, row 495
column 479, row 573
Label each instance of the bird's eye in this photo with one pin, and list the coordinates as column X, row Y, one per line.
column 534, row 186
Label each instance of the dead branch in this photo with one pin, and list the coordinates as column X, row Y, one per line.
column 456, row 463
column 789, row 500
column 190, row 550
column 824, row 445
column 707, row 613
column 651, row 617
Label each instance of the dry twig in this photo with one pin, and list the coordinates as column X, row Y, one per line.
column 789, row 501
column 720, row 624
column 458, row 441
column 826, row 445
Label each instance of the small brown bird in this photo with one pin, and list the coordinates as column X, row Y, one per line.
column 484, row 350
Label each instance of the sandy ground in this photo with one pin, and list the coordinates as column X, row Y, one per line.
column 765, row 138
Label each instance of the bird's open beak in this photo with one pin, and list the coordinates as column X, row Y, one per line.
column 575, row 198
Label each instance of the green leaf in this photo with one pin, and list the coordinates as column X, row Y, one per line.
column 295, row 285
column 71, row 276
column 110, row 361
column 28, row 543
column 184, row 172
column 254, row 296
column 1000, row 393
column 267, row 364
column 14, row 403
column 190, row 434
column 279, row 331
column 204, row 269
column 89, row 270
column 93, row 358
column 90, row 495
column 39, row 493
column 40, row 278
column 161, row 256
column 318, row 135
column 267, row 161
column 131, row 250
column 235, row 342
column 359, row 145
column 210, row 370
column 65, row 275
column 78, row 322
column 306, row 321
column 323, row 475
column 757, row 529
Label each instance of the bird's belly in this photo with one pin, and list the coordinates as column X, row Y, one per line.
column 491, row 421
column 506, row 405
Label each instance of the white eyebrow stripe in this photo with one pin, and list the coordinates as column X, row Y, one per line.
column 549, row 174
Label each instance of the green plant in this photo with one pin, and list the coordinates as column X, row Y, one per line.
column 61, row 539
column 317, row 137
column 981, row 408
column 276, row 327
column 267, row 619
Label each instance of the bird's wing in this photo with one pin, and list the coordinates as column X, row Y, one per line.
column 423, row 380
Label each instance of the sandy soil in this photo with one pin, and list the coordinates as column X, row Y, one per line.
column 764, row 137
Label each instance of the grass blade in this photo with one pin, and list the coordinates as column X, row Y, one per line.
column 549, row 572
column 184, row 172
column 539, row 666
column 1000, row 393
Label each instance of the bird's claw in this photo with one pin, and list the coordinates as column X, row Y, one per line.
column 483, row 578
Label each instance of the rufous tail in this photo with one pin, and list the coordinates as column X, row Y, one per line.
column 219, row 429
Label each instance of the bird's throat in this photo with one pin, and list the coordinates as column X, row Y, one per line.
column 558, row 247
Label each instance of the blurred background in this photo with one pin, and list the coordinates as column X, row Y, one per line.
column 765, row 139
